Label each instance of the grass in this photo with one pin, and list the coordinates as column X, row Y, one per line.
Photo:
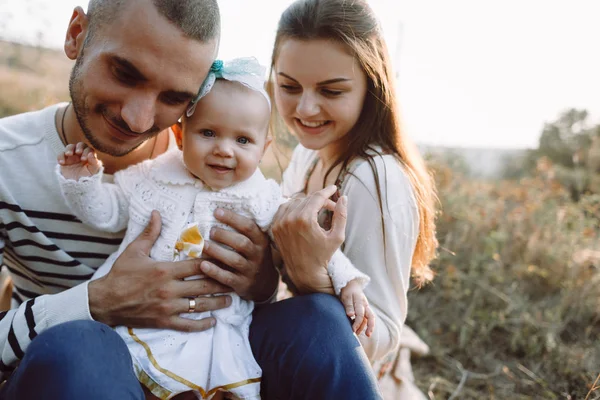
column 514, row 311
column 31, row 78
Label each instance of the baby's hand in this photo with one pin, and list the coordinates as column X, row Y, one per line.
column 78, row 161
column 357, row 307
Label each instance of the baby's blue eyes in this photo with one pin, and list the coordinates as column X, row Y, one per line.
column 208, row 133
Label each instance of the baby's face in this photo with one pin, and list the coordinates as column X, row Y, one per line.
column 226, row 137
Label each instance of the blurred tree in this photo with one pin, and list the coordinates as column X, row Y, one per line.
column 572, row 146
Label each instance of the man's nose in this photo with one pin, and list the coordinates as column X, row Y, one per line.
column 138, row 112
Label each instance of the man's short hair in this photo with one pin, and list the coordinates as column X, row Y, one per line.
column 197, row 19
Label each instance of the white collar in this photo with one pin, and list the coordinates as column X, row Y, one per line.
column 169, row 168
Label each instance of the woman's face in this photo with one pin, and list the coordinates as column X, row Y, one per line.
column 320, row 89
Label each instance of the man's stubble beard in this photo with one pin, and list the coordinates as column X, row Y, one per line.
column 76, row 90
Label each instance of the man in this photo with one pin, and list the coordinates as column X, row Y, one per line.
column 138, row 64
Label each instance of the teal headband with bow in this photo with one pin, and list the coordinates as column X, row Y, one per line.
column 245, row 70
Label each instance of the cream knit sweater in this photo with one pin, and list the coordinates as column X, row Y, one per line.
column 388, row 266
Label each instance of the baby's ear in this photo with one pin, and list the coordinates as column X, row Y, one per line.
column 268, row 142
column 178, row 132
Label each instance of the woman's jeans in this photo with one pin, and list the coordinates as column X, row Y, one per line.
column 304, row 345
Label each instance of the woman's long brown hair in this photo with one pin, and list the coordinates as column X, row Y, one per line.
column 353, row 23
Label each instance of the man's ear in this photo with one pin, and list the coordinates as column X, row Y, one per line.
column 178, row 133
column 76, row 33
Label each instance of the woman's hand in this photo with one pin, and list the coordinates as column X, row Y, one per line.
column 305, row 246
column 78, row 161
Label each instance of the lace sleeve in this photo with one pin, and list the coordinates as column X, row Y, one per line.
column 341, row 271
column 101, row 205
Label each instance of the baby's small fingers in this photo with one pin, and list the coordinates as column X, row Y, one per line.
column 71, row 159
column 362, row 326
column 359, row 308
column 370, row 321
column 79, row 147
column 348, row 305
column 93, row 163
column 69, row 150
column 358, row 312
column 356, row 324
column 61, row 158
column 348, row 302
column 85, row 154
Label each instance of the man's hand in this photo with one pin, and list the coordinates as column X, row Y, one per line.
column 140, row 292
column 251, row 272
column 305, row 246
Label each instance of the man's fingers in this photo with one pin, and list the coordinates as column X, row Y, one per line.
column 199, row 287
column 228, row 258
column 190, row 325
column 237, row 241
column 219, row 274
column 241, row 224
column 185, row 269
column 202, row 304
column 146, row 239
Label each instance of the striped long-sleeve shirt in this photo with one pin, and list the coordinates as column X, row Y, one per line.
column 50, row 254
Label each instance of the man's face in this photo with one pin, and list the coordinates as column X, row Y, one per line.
column 135, row 77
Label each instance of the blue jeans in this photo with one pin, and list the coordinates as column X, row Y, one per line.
column 304, row 345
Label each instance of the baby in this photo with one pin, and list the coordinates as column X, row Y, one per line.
column 221, row 140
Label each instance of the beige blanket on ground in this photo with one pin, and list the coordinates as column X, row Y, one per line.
column 398, row 382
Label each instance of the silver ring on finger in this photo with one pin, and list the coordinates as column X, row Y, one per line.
column 192, row 305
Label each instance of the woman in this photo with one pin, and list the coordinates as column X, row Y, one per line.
column 333, row 88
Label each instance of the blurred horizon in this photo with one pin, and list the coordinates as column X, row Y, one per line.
column 470, row 75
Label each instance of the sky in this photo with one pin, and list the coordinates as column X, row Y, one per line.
column 471, row 73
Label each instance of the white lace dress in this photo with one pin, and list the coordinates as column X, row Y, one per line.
column 170, row 362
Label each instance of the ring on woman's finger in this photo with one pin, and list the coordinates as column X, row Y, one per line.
column 192, row 306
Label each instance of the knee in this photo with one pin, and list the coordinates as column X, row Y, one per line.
column 78, row 359
column 73, row 346
column 316, row 319
column 319, row 308
column 322, row 318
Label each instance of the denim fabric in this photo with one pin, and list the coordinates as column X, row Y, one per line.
column 304, row 345
column 75, row 360
column 307, row 350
